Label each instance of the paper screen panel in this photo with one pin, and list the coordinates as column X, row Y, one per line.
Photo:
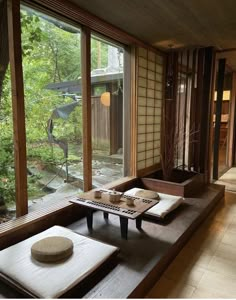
column 149, row 92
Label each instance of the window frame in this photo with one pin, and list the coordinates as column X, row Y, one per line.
column 69, row 16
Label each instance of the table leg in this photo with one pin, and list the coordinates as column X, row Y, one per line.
column 124, row 227
column 105, row 215
column 139, row 223
column 90, row 219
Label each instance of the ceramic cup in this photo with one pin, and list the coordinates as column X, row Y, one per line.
column 130, row 201
column 97, row 194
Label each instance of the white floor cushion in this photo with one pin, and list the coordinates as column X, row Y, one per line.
column 51, row 280
column 166, row 204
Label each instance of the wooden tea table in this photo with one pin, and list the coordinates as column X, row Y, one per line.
column 121, row 209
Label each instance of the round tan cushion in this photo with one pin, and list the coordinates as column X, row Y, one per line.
column 52, row 249
column 147, row 194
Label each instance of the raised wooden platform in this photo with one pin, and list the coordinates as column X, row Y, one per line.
column 146, row 254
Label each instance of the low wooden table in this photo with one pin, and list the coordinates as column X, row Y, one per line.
column 121, row 209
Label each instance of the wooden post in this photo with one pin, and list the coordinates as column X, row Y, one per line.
column 220, row 88
column 128, row 123
column 86, row 107
column 193, row 108
column 205, row 111
column 200, row 63
column 211, row 135
column 185, row 108
column 232, row 120
column 14, row 36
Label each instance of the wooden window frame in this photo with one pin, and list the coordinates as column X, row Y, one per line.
column 15, row 55
column 72, row 14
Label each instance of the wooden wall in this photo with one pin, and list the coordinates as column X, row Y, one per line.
column 189, row 111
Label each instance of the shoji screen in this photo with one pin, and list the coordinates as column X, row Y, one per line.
column 149, row 94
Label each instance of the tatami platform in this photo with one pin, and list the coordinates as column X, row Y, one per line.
column 146, row 253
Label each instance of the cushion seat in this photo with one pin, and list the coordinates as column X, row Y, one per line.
column 52, row 249
column 166, row 204
column 52, row 280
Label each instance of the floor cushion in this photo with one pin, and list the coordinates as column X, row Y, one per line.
column 52, row 280
column 52, row 249
column 166, row 204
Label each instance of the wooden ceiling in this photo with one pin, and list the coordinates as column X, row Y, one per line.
column 180, row 23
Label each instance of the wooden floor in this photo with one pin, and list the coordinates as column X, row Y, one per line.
column 206, row 266
column 146, row 254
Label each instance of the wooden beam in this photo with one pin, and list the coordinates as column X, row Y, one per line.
column 220, row 89
column 14, row 32
column 86, row 107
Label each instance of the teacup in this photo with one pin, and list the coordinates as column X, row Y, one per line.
column 97, row 194
column 129, row 201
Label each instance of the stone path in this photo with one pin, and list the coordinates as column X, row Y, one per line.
column 54, row 181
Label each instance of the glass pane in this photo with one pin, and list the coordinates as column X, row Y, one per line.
column 7, row 171
column 52, row 86
column 107, row 111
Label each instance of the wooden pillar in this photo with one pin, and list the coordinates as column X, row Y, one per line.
column 14, row 36
column 86, row 106
column 169, row 113
column 127, row 135
column 232, row 121
column 220, row 89
column 205, row 111
column 193, row 109
column 185, row 108
column 197, row 128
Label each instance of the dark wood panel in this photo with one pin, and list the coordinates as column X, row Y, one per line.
column 205, row 111
column 193, row 109
column 220, row 89
column 185, row 134
column 197, row 128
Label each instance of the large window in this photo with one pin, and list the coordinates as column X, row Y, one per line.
column 53, row 106
column 107, row 111
column 49, row 89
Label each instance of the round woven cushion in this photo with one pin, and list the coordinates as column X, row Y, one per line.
column 52, row 249
column 147, row 194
